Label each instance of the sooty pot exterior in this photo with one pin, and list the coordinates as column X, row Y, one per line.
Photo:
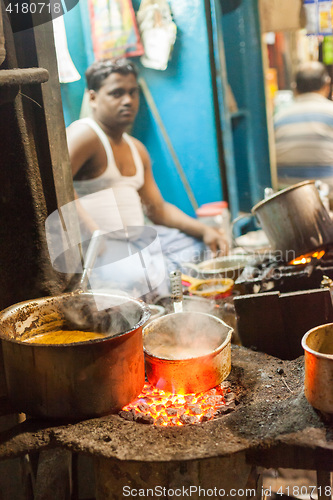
column 78, row 380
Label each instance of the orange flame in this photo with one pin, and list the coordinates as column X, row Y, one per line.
column 169, row 409
column 306, row 259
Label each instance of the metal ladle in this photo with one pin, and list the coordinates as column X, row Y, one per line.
column 90, row 317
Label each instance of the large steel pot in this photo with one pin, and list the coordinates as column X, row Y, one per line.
column 78, row 380
column 295, row 220
column 187, row 352
column 318, row 383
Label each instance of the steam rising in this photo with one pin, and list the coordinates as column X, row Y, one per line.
column 121, row 315
column 129, row 258
column 184, row 335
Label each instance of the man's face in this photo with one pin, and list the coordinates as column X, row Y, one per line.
column 116, row 103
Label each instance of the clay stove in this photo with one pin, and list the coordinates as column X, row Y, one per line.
column 282, row 301
column 268, row 272
column 157, row 407
column 273, row 426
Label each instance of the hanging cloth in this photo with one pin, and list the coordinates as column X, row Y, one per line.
column 158, row 33
column 114, row 29
column 66, row 68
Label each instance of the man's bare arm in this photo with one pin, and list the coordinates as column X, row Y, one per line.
column 161, row 212
column 81, row 142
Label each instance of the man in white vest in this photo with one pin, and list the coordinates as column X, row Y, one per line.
column 113, row 176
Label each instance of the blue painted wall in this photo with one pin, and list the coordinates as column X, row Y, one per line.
column 80, row 49
column 183, row 96
column 242, row 42
column 224, row 112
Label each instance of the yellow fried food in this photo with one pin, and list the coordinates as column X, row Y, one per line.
column 63, row 337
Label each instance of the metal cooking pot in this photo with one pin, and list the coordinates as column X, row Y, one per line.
column 78, row 380
column 187, row 352
column 295, row 220
column 318, row 384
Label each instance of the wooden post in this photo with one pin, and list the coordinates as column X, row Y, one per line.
column 324, row 487
column 218, row 477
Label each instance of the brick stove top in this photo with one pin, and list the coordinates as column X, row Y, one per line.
column 268, row 272
column 273, row 424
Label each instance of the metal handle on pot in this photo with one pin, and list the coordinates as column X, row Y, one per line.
column 90, row 257
column 233, row 237
column 268, row 193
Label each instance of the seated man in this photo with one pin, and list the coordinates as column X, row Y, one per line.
column 304, row 130
column 104, row 156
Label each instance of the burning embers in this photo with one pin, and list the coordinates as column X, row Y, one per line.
column 270, row 273
column 308, row 258
column 154, row 406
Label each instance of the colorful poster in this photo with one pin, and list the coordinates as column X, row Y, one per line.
column 318, row 17
column 114, row 29
column 324, row 16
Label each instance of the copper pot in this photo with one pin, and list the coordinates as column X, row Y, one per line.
column 187, row 352
column 318, row 384
column 78, row 380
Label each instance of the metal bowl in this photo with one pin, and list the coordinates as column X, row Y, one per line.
column 213, row 288
column 230, row 266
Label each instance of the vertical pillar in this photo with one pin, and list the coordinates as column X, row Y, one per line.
column 35, row 176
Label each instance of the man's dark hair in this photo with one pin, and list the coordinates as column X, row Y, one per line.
column 98, row 71
column 311, row 77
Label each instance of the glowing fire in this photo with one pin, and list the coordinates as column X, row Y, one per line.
column 177, row 409
column 306, row 259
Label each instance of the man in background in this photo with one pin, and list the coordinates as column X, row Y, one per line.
column 108, row 163
column 304, row 130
